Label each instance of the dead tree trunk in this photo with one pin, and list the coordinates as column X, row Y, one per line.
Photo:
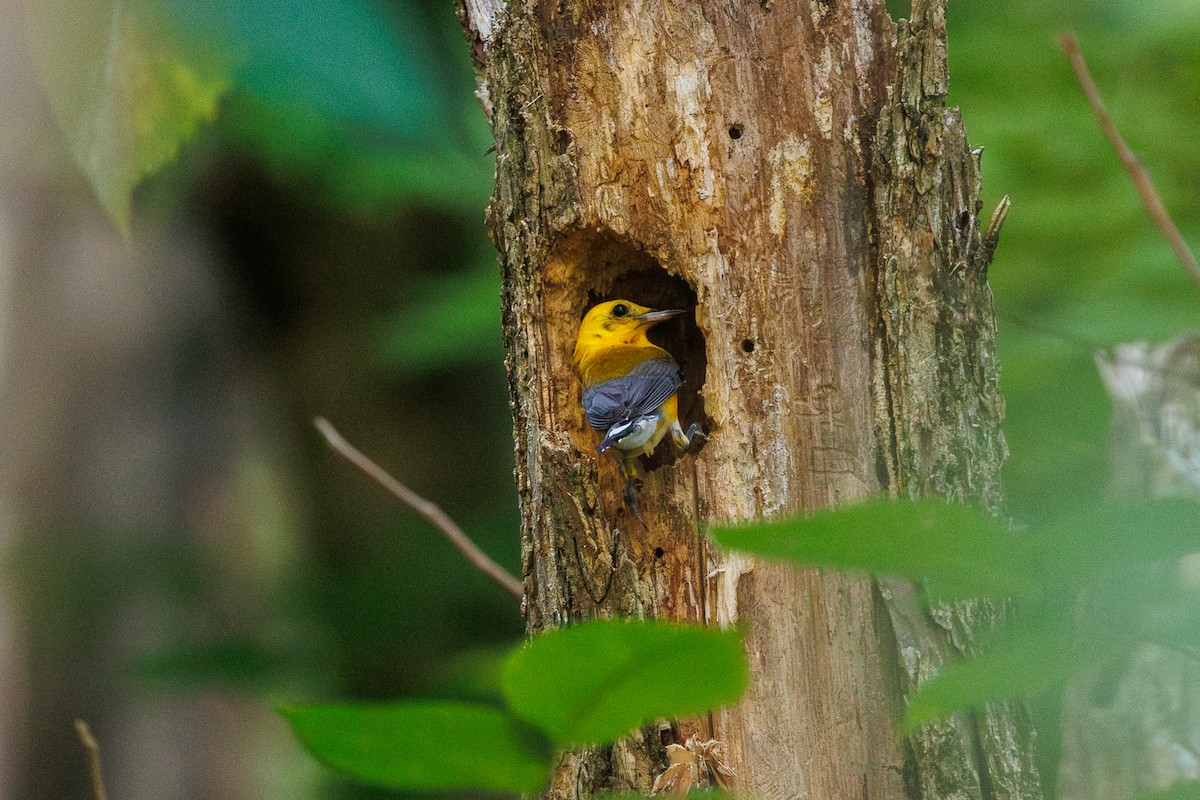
column 787, row 169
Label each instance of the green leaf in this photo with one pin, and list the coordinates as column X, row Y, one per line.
column 595, row 682
column 1086, row 543
column 120, row 90
column 962, row 551
column 1027, row 658
column 426, row 745
column 473, row 675
column 343, row 58
column 347, row 170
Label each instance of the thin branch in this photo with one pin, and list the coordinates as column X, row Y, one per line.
column 1141, row 179
column 92, row 747
column 426, row 509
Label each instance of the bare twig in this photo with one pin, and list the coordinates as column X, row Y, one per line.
column 1141, row 179
column 426, row 509
column 92, row 747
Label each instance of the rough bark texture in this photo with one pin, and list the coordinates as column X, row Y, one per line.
column 787, row 169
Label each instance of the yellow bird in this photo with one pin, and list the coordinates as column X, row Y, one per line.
column 630, row 386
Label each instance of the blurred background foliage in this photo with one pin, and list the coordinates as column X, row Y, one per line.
column 336, row 200
column 1081, row 266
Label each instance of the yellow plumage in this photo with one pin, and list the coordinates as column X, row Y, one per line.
column 630, row 384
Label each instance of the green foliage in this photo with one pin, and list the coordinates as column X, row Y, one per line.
column 348, row 170
column 125, row 95
column 457, row 321
column 592, row 683
column 348, row 98
column 235, row 663
column 1032, row 655
column 1188, row 790
column 1080, row 266
column 426, row 745
column 1078, row 578
column 963, row 552
column 1081, row 546
column 342, row 58
column 473, row 675
column 334, row 90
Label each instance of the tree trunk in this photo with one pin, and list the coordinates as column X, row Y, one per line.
column 787, row 170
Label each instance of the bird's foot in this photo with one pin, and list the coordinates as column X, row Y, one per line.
column 631, row 498
column 695, row 436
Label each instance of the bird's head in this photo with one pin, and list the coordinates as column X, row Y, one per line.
column 617, row 322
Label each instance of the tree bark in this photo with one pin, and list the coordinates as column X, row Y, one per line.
column 786, row 169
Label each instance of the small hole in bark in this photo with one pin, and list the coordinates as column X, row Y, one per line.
column 735, row 132
column 962, row 220
column 747, row 345
column 658, row 552
column 562, row 142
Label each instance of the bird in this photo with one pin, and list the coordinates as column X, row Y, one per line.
column 630, row 386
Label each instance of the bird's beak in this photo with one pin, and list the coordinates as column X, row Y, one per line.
column 655, row 317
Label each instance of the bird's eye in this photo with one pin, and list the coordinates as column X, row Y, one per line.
column 620, row 310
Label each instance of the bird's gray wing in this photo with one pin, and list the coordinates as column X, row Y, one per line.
column 641, row 392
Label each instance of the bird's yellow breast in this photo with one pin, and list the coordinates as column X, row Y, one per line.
column 604, row 362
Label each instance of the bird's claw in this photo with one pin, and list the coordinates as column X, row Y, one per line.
column 695, row 436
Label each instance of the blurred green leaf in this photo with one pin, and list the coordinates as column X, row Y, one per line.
column 1029, row 657
column 122, row 91
column 341, row 91
column 343, row 58
column 426, row 745
column 959, row 549
column 241, row 664
column 1080, row 545
column 474, row 675
column 457, row 321
column 595, row 682
column 346, row 169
